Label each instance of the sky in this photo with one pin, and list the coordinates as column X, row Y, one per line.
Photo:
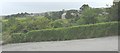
column 8, row 7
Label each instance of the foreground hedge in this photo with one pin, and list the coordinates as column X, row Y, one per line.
column 75, row 32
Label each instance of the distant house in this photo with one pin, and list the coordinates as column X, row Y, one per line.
column 63, row 16
column 69, row 14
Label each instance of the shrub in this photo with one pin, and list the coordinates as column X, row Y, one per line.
column 60, row 23
column 16, row 38
column 68, row 33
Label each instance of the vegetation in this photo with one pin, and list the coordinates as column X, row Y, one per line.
column 84, row 23
column 74, row 32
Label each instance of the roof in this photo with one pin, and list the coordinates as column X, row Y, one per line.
column 116, row 0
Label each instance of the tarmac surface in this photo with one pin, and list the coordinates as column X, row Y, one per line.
column 95, row 44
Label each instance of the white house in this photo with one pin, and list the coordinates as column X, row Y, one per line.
column 63, row 16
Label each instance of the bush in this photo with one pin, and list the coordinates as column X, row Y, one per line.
column 18, row 37
column 15, row 38
column 68, row 33
column 60, row 23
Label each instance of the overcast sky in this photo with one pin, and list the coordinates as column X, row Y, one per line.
column 8, row 7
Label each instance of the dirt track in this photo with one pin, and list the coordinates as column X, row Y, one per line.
column 95, row 44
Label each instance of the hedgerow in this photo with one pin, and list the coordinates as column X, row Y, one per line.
column 68, row 33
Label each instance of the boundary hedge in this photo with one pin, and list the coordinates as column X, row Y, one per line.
column 75, row 32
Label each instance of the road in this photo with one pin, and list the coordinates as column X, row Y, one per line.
column 94, row 44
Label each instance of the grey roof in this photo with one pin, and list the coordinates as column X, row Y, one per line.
column 116, row 0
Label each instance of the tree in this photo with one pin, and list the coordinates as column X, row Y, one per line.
column 80, row 21
column 60, row 23
column 88, row 15
column 113, row 12
column 83, row 8
column 102, row 18
column 38, row 23
column 119, row 11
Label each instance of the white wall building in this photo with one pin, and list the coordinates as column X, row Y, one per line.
column 63, row 16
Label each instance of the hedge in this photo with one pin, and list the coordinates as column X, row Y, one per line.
column 75, row 32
